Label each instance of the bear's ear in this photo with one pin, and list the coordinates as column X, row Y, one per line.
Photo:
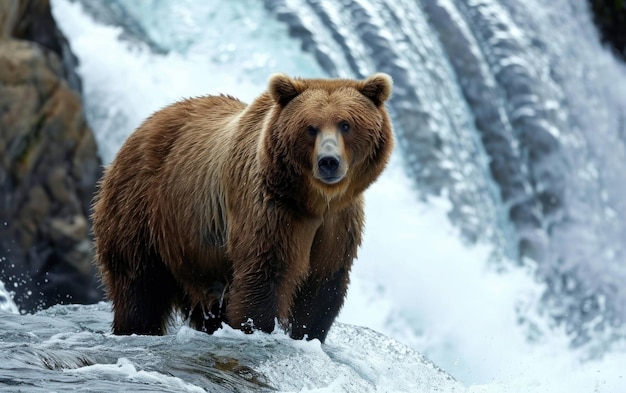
column 377, row 88
column 283, row 89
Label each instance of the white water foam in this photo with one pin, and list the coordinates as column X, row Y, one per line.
column 125, row 369
column 6, row 301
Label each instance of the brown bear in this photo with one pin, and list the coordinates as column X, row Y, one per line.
column 249, row 215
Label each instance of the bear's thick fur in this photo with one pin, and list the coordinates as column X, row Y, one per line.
column 242, row 214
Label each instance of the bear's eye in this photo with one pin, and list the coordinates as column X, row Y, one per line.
column 344, row 126
column 312, row 130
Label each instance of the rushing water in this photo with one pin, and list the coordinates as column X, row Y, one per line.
column 499, row 253
column 514, row 112
column 70, row 346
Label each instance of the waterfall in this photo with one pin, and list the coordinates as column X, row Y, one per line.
column 514, row 111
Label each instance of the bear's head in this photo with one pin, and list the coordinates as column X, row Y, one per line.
column 330, row 137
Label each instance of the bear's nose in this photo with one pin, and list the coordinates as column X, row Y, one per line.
column 328, row 165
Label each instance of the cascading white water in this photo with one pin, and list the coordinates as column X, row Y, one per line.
column 512, row 110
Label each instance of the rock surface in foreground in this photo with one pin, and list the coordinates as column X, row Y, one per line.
column 72, row 345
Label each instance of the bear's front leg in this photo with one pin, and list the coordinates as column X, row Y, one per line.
column 255, row 301
column 320, row 298
column 317, row 304
column 267, row 271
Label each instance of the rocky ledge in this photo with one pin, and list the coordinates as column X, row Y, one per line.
column 48, row 164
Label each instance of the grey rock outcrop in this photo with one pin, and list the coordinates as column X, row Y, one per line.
column 48, row 163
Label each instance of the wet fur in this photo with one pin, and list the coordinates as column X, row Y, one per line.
column 210, row 208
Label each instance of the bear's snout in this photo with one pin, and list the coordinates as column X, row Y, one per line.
column 328, row 166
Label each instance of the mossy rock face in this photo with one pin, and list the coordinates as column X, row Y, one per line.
column 610, row 18
column 48, row 164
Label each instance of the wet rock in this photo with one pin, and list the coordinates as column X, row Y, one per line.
column 48, row 163
column 610, row 18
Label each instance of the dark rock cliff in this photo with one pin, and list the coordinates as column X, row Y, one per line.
column 610, row 17
column 48, row 163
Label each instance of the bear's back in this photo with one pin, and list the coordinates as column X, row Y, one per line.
column 168, row 176
column 194, row 171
